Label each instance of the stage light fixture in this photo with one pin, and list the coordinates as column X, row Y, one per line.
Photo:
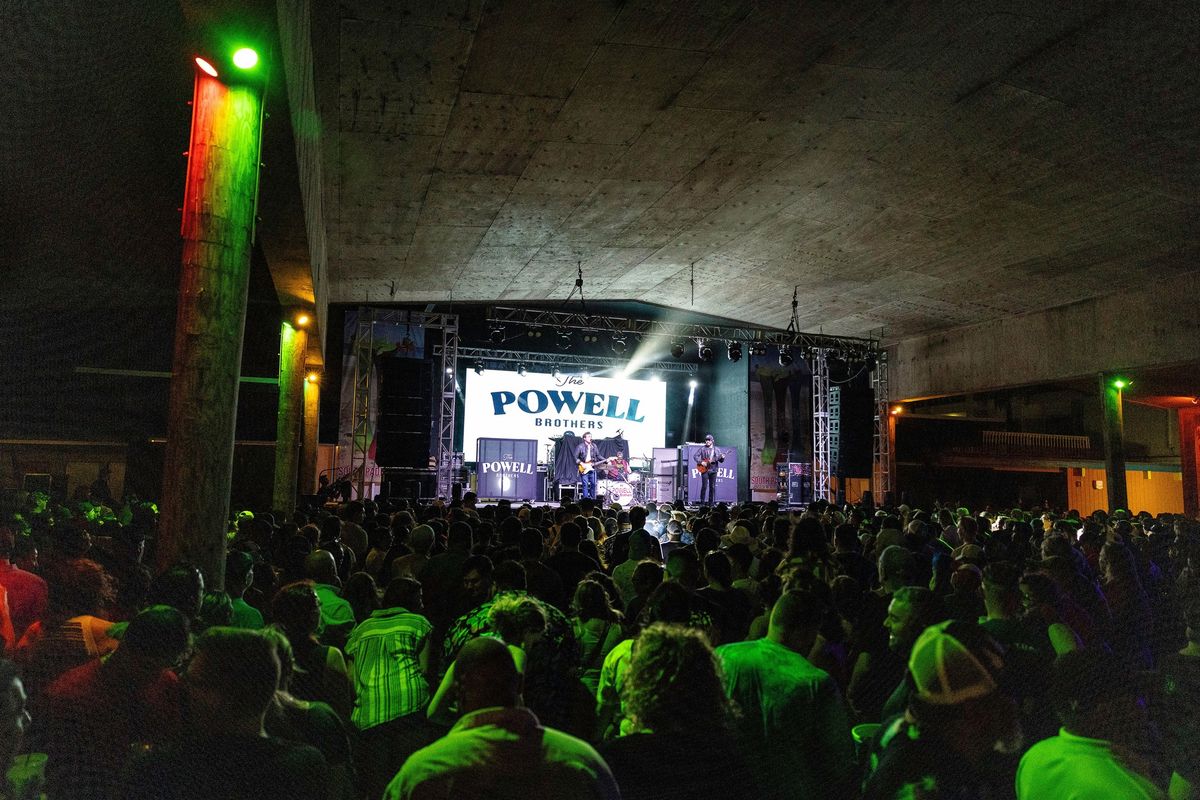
column 556, row 372
column 677, row 349
column 1121, row 383
column 704, row 350
column 478, row 367
column 302, row 320
column 245, row 58
column 313, row 377
column 206, row 67
column 735, row 351
column 449, row 370
column 564, row 340
column 758, row 348
column 496, row 335
column 521, row 370
column 693, row 383
column 785, row 355
column 619, row 346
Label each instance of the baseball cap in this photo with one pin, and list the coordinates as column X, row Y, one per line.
column 953, row 662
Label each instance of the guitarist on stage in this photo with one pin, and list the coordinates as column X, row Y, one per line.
column 707, row 458
column 586, row 455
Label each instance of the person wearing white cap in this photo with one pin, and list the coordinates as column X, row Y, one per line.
column 960, row 735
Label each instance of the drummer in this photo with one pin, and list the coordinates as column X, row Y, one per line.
column 618, row 469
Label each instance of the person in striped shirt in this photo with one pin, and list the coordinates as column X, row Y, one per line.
column 388, row 654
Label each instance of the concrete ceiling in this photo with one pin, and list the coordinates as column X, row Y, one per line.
column 912, row 166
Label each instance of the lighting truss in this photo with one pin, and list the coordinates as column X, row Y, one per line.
column 567, row 361
column 849, row 347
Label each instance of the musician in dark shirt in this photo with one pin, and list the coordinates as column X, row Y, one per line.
column 708, row 457
column 586, row 455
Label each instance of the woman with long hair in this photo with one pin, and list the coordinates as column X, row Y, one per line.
column 320, row 673
column 597, row 627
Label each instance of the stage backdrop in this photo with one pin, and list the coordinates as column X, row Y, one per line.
column 396, row 339
column 498, row 403
column 780, row 420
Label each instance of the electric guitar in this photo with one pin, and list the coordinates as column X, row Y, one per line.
column 705, row 464
column 587, row 466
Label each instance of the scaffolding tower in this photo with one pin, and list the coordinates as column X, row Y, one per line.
column 441, row 434
column 881, row 451
column 822, row 465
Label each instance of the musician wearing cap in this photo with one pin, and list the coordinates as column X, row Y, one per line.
column 707, row 458
column 586, row 456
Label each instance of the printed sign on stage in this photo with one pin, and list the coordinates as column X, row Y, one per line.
column 507, row 468
column 542, row 407
column 726, row 485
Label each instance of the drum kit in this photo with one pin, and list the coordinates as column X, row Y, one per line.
column 623, row 485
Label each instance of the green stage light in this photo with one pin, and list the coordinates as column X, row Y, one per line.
column 245, row 58
column 1121, row 383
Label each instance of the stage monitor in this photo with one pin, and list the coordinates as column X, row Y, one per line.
column 503, row 404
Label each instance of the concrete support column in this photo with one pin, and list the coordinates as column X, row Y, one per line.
column 293, row 344
column 218, row 220
column 1114, row 442
column 308, row 445
column 1189, row 456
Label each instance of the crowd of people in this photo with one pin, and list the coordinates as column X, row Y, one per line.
column 460, row 650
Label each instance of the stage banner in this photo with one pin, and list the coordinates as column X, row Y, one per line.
column 539, row 406
column 727, row 484
column 780, row 421
column 507, row 468
column 394, row 339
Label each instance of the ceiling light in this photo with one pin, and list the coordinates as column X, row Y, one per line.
column 677, row 349
column 735, row 351
column 785, row 356
column 478, row 367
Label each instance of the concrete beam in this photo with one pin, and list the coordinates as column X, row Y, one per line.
column 1153, row 326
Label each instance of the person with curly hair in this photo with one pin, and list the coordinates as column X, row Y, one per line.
column 518, row 620
column 672, row 692
column 74, row 629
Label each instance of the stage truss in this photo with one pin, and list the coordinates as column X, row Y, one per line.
column 848, row 347
column 568, row 361
column 441, row 432
column 822, row 468
column 881, row 440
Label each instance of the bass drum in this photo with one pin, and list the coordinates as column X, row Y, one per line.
column 618, row 492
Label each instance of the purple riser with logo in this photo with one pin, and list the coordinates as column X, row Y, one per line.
column 507, row 468
column 727, row 480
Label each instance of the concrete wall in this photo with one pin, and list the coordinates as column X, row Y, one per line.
column 1155, row 325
